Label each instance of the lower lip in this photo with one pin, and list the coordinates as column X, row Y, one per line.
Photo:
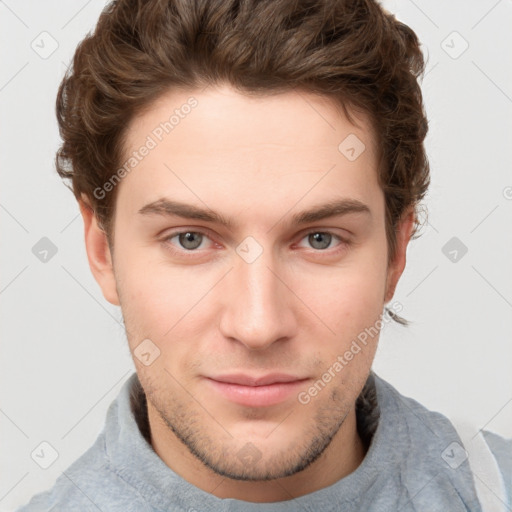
column 257, row 396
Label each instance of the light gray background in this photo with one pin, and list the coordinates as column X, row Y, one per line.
column 64, row 355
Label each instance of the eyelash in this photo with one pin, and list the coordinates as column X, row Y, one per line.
column 343, row 243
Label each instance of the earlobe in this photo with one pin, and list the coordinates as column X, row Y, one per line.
column 98, row 253
column 396, row 267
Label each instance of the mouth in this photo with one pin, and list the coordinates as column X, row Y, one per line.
column 256, row 391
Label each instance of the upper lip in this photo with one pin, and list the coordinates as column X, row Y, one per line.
column 261, row 380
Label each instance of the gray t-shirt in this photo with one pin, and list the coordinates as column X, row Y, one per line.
column 403, row 470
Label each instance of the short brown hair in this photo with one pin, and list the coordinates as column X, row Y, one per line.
column 349, row 50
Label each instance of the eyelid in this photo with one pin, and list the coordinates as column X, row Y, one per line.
column 343, row 241
column 201, row 231
column 331, row 230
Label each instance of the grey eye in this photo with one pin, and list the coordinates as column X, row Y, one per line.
column 320, row 240
column 190, row 239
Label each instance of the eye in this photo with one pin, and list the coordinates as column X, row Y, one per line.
column 321, row 240
column 189, row 241
column 186, row 240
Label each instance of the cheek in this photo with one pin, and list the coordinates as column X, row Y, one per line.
column 351, row 309
column 347, row 298
column 348, row 305
column 158, row 304
column 154, row 296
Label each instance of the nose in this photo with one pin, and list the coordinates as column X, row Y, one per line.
column 258, row 303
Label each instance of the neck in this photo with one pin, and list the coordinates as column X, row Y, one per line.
column 343, row 455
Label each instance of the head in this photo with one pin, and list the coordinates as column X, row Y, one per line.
column 263, row 115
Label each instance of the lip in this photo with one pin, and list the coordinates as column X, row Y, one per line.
column 251, row 391
column 261, row 380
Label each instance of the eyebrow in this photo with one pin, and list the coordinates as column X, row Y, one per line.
column 339, row 207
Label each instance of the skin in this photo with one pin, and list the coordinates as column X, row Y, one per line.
column 294, row 309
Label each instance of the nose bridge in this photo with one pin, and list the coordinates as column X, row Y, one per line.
column 256, row 311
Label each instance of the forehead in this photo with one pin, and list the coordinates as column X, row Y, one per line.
column 221, row 115
column 218, row 145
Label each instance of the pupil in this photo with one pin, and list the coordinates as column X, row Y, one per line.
column 187, row 240
column 323, row 238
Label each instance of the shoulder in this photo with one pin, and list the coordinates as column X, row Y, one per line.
column 501, row 449
column 502, row 446
column 89, row 484
column 73, row 484
column 450, row 445
column 99, row 478
column 411, row 416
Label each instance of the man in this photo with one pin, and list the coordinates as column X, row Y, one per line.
column 249, row 175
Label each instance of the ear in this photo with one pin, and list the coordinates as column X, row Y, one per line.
column 98, row 252
column 396, row 267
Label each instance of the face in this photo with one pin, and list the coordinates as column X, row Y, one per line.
column 258, row 285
